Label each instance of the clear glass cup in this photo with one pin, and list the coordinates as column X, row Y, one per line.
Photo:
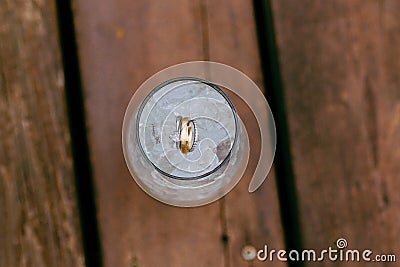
column 183, row 140
column 153, row 155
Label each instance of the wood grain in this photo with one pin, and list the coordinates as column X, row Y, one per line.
column 340, row 75
column 121, row 44
column 39, row 224
column 252, row 219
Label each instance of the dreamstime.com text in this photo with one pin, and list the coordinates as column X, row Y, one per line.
column 339, row 253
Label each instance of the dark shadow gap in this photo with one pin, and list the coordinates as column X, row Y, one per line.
column 77, row 126
column 224, row 232
column 275, row 95
column 204, row 30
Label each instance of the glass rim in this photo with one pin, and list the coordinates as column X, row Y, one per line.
column 156, row 89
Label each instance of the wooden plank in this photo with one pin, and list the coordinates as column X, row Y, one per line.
column 121, row 44
column 339, row 63
column 39, row 222
column 252, row 219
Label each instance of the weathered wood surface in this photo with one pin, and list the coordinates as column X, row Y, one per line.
column 340, row 69
column 39, row 223
column 121, row 44
column 251, row 218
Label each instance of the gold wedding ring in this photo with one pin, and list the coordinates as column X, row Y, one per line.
column 187, row 134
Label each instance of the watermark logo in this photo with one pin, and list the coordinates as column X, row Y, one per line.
column 339, row 253
column 341, row 243
column 181, row 123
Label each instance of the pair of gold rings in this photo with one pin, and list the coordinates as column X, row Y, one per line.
column 187, row 133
